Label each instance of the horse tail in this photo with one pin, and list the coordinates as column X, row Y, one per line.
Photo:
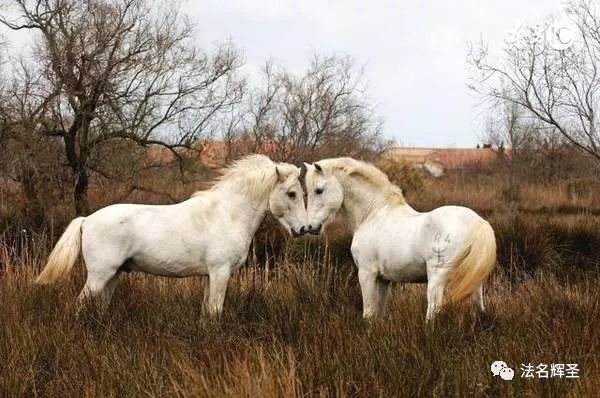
column 473, row 262
column 64, row 254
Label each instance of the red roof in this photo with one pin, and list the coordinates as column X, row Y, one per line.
column 211, row 153
column 217, row 154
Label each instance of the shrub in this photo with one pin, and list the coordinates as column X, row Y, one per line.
column 411, row 180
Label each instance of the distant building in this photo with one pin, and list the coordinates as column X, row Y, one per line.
column 213, row 154
column 437, row 160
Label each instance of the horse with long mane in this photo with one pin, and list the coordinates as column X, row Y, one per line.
column 451, row 248
column 208, row 234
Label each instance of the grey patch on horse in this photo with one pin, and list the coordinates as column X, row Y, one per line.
column 302, row 180
column 439, row 253
column 443, row 264
column 127, row 266
column 441, row 245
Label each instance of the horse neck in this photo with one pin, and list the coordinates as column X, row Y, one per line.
column 362, row 199
column 247, row 210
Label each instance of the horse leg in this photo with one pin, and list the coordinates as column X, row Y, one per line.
column 477, row 298
column 370, row 293
column 109, row 289
column 383, row 288
column 99, row 287
column 206, row 294
column 436, row 282
column 103, row 259
column 217, row 288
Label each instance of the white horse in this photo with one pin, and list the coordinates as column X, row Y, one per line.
column 450, row 246
column 208, row 234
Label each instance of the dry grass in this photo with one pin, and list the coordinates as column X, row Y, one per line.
column 488, row 194
column 296, row 331
column 295, row 328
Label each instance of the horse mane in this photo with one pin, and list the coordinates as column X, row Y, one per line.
column 353, row 168
column 255, row 175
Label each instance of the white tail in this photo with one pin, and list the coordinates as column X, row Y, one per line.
column 64, row 254
column 473, row 262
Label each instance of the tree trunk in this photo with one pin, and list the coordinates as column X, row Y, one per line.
column 80, row 189
column 77, row 162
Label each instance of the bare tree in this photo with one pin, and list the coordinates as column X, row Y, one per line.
column 109, row 70
column 559, row 87
column 325, row 112
column 510, row 127
column 4, row 97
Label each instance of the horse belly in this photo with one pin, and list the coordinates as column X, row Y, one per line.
column 384, row 248
column 162, row 255
column 399, row 259
column 164, row 266
column 411, row 272
column 185, row 257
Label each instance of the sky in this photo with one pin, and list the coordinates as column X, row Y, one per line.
column 414, row 52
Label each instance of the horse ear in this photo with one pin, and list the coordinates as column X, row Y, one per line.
column 280, row 177
column 307, row 165
column 318, row 167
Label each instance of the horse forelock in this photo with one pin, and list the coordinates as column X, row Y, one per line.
column 351, row 169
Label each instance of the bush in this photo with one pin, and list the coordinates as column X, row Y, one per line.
column 411, row 180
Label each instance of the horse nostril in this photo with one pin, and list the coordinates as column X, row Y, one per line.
column 314, row 230
column 302, row 229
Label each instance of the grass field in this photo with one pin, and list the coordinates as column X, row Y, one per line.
column 295, row 328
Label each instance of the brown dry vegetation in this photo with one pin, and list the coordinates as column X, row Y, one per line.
column 295, row 328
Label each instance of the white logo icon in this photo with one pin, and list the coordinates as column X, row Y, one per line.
column 500, row 368
column 497, row 366
column 507, row 373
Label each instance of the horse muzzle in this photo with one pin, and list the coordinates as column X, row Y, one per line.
column 299, row 232
column 314, row 230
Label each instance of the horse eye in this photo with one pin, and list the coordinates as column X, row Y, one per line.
column 291, row 195
column 319, row 191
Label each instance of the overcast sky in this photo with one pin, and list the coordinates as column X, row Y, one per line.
column 414, row 51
